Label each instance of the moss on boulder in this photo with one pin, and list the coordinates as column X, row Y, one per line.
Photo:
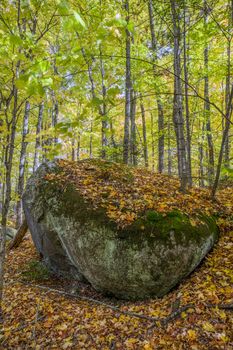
column 146, row 258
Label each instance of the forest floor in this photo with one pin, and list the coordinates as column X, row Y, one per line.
column 196, row 315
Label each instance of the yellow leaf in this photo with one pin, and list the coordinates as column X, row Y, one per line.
column 208, row 327
column 61, row 327
column 67, row 344
column 131, row 341
column 192, row 335
column 148, row 347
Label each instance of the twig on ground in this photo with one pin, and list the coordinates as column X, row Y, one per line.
column 35, row 321
column 221, row 306
column 163, row 321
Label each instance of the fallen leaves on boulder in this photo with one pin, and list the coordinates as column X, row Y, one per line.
column 127, row 193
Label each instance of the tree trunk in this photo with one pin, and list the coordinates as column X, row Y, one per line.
column 103, row 111
column 128, row 87
column 187, row 114
column 133, row 139
column 224, row 137
column 152, row 142
column 207, row 105
column 22, row 162
column 158, row 99
column 145, row 148
column 45, row 141
column 228, row 81
column 73, row 149
column 79, row 146
column 161, row 137
column 178, row 119
column 91, row 141
column 169, row 151
column 55, row 113
column 201, row 155
column 9, row 152
column 38, row 142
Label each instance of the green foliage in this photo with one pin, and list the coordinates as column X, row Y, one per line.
column 73, row 54
column 226, row 171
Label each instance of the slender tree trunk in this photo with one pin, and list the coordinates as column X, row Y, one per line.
column 158, row 99
column 6, row 205
column 169, row 151
column 73, row 149
column 228, row 81
column 152, row 142
column 103, row 111
column 91, row 141
column 38, row 141
column 201, row 155
column 2, row 172
column 22, row 162
column 178, row 119
column 187, row 114
column 133, row 139
column 79, row 145
column 145, row 148
column 44, row 140
column 128, row 87
column 224, row 137
column 55, row 113
column 207, row 105
column 113, row 142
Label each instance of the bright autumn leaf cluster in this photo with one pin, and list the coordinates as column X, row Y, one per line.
column 127, row 193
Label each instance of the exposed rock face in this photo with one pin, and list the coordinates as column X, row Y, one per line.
column 147, row 259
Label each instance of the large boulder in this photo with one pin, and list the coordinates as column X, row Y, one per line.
column 77, row 239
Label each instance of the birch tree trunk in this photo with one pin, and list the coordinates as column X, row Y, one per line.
column 22, row 162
